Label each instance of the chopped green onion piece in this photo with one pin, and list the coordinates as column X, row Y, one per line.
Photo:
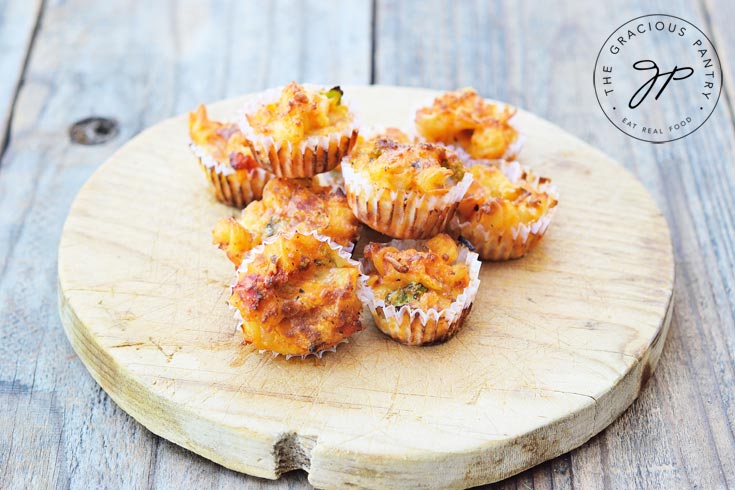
column 410, row 292
column 335, row 93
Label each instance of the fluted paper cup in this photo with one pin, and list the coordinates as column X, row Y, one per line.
column 312, row 156
column 235, row 188
column 257, row 251
column 401, row 214
column 493, row 244
column 414, row 326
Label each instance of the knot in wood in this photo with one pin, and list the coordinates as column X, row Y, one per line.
column 93, row 130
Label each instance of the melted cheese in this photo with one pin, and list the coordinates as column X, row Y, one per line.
column 288, row 205
column 300, row 113
column 499, row 203
column 297, row 297
column 426, row 278
column 222, row 141
column 465, row 119
column 390, row 161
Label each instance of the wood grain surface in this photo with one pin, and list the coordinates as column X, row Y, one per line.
column 18, row 21
column 557, row 346
column 140, row 62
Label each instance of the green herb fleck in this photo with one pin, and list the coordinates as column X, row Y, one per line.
column 455, row 166
column 335, row 93
column 408, row 293
column 272, row 226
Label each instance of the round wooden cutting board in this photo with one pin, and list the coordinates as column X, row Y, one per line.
column 558, row 343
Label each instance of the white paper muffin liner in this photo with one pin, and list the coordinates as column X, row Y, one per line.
column 256, row 251
column 401, row 214
column 312, row 156
column 520, row 239
column 414, row 326
column 515, row 148
column 332, row 179
column 230, row 186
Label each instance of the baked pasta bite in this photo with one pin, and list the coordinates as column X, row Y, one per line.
column 465, row 120
column 296, row 295
column 401, row 189
column 420, row 292
column 288, row 205
column 226, row 159
column 300, row 131
column 334, row 177
column 506, row 211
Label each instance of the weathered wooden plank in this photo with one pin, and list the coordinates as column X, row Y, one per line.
column 137, row 62
column 18, row 21
column 153, row 62
column 468, row 395
column 718, row 15
column 541, row 58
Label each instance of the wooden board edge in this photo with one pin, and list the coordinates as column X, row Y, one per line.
column 283, row 448
column 328, row 467
column 125, row 390
column 528, row 450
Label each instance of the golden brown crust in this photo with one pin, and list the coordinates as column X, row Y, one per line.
column 227, row 160
column 465, row 119
column 301, row 134
column 395, row 134
column 389, row 163
column 300, row 113
column 422, row 279
column 522, row 202
column 494, row 210
column 288, row 205
column 297, row 296
column 223, row 142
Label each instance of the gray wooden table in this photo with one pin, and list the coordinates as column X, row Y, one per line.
column 140, row 62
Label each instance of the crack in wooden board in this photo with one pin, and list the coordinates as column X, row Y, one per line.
column 520, row 383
